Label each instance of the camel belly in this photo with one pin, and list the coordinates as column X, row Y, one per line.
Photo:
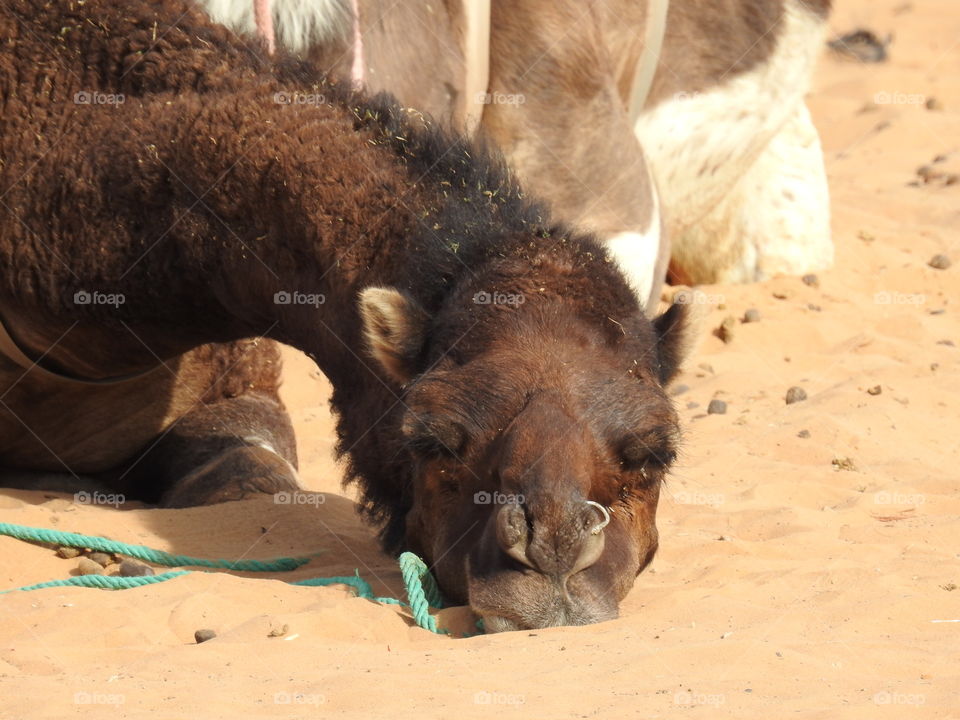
column 59, row 426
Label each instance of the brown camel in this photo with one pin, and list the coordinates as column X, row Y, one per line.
column 500, row 392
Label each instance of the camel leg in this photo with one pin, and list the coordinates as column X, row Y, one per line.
column 217, row 453
column 775, row 220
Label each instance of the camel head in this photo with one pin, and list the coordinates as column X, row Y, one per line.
column 538, row 441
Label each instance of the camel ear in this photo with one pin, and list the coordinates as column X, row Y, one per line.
column 395, row 328
column 679, row 331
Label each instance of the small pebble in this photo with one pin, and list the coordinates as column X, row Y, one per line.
column 934, row 104
column 862, row 45
column 68, row 553
column 725, row 331
column 279, row 632
column 131, row 568
column 795, row 394
column 101, row 559
column 717, row 407
column 927, row 173
column 875, row 390
column 843, row 463
column 940, row 262
column 803, row 434
column 751, row 316
column 86, row 566
column 679, row 390
column 940, row 158
column 692, row 405
column 811, row 280
column 203, row 635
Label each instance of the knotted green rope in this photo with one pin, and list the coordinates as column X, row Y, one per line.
column 422, row 590
column 141, row 552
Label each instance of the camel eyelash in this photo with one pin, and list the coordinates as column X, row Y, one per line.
column 650, row 464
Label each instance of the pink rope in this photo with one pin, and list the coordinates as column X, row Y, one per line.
column 357, row 70
column 263, row 18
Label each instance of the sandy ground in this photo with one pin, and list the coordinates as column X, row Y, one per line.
column 785, row 586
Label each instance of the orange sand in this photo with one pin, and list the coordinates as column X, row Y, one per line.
column 784, row 587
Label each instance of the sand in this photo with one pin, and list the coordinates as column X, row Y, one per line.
column 809, row 577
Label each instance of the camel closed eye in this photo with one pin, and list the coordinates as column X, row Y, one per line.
column 434, row 436
column 649, row 461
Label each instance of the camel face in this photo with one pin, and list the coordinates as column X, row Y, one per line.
column 538, row 448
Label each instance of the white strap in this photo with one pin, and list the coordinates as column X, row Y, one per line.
column 476, row 57
column 650, row 57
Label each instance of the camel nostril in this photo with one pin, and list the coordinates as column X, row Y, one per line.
column 590, row 552
column 512, row 532
column 594, row 541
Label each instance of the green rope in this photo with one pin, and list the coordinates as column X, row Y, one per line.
column 107, row 582
column 421, row 588
column 158, row 557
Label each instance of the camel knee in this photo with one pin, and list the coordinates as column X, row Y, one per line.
column 234, row 474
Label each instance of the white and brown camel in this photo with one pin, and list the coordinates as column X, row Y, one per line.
column 671, row 127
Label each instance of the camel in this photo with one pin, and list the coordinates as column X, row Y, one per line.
column 713, row 164
column 501, row 395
